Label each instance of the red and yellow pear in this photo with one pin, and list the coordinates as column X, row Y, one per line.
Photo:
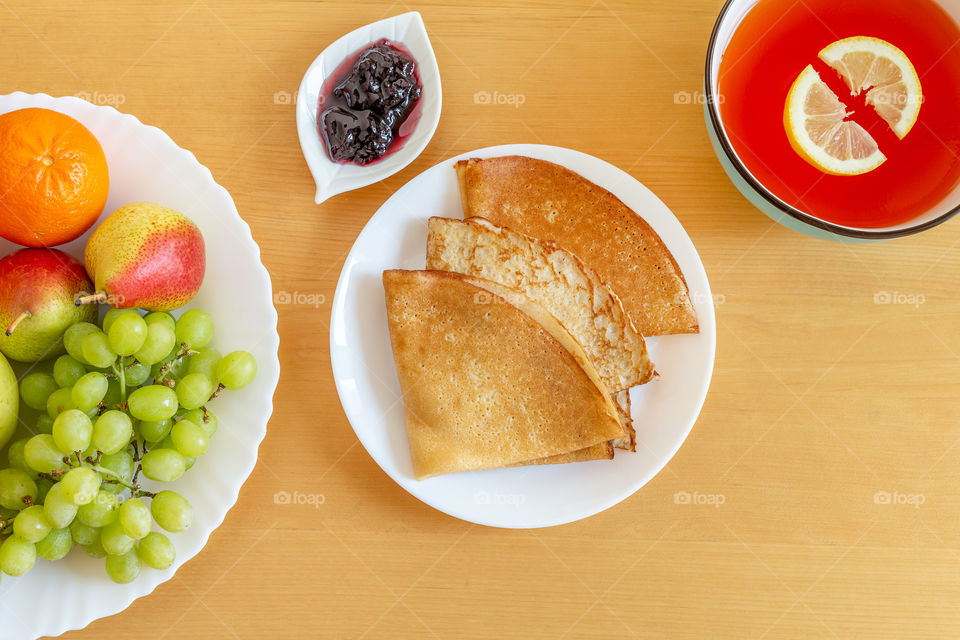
column 38, row 288
column 145, row 256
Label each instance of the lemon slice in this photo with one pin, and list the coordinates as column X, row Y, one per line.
column 884, row 72
column 814, row 119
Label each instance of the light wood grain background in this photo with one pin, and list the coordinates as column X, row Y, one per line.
column 821, row 398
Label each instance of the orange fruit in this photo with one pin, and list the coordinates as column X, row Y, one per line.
column 53, row 178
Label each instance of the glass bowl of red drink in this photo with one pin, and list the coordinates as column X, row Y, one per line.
column 756, row 51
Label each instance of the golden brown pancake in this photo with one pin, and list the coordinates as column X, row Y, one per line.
column 628, row 441
column 602, row 451
column 548, row 201
column 554, row 279
column 566, row 288
column 488, row 378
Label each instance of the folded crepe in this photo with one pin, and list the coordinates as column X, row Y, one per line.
column 489, row 379
column 600, row 451
column 559, row 282
column 547, row 201
column 556, row 280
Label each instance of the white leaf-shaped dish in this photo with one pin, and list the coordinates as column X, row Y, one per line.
column 333, row 178
column 145, row 164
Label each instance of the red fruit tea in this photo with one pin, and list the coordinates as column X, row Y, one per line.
column 773, row 44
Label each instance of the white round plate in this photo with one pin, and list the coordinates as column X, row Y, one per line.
column 522, row 497
column 145, row 164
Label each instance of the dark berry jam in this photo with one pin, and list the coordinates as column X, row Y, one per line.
column 367, row 103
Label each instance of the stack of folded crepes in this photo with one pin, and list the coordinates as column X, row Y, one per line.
column 520, row 341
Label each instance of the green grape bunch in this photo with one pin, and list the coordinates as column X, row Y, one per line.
column 127, row 401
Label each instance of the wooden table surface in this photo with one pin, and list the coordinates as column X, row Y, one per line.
column 824, row 402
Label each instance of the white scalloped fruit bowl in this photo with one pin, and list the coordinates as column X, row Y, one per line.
column 145, row 164
column 333, row 178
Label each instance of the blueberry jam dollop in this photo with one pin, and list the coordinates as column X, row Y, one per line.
column 367, row 106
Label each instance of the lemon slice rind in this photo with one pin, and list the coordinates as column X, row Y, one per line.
column 795, row 122
column 908, row 105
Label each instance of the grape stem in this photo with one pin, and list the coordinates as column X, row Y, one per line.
column 215, row 393
column 164, row 371
column 138, row 454
column 114, row 477
column 118, row 371
column 94, row 463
